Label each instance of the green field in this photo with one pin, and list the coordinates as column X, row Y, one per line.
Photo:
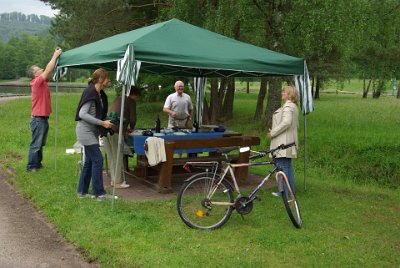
column 350, row 208
column 353, row 86
column 24, row 88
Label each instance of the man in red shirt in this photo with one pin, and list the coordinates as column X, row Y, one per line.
column 41, row 109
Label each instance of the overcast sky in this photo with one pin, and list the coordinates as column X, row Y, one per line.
column 26, row 6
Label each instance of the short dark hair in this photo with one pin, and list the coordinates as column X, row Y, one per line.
column 135, row 91
column 31, row 72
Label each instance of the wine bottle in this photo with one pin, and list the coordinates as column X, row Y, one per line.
column 195, row 126
column 158, row 124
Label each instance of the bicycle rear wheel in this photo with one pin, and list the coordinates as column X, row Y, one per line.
column 200, row 209
column 291, row 204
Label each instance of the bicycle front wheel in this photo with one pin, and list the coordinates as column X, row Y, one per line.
column 205, row 202
column 291, row 205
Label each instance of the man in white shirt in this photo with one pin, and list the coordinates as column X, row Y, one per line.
column 179, row 107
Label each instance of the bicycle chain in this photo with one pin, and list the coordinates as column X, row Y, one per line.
column 243, row 206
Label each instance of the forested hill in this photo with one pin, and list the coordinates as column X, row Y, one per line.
column 15, row 23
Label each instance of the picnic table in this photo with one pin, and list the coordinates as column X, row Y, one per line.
column 193, row 145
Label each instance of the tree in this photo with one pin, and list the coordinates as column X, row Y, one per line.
column 329, row 34
column 398, row 92
column 260, row 99
column 325, row 33
column 226, row 18
column 82, row 22
column 272, row 14
column 7, row 62
column 227, row 109
column 274, row 100
column 215, row 99
column 220, row 17
column 18, row 54
column 377, row 58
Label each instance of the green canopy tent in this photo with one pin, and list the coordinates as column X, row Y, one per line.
column 178, row 48
column 181, row 49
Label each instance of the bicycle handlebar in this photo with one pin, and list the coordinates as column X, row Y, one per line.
column 285, row 146
column 258, row 155
column 272, row 151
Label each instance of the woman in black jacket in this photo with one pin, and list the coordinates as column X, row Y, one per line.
column 91, row 114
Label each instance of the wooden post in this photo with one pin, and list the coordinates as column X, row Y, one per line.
column 164, row 179
column 141, row 169
column 241, row 173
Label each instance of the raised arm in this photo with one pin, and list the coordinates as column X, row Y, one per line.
column 50, row 66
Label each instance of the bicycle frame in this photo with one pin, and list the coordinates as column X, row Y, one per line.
column 229, row 168
column 206, row 200
column 263, row 181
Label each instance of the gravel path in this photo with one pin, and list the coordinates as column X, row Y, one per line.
column 27, row 240
column 5, row 99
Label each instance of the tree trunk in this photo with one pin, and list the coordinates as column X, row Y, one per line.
column 312, row 85
column 260, row 99
column 206, row 115
column 221, row 93
column 274, row 100
column 228, row 100
column 247, row 87
column 217, row 97
column 378, row 89
column 214, row 102
column 364, row 95
column 398, row 92
column 317, row 87
column 366, row 88
column 376, row 94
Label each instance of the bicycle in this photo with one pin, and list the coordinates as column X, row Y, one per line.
column 206, row 200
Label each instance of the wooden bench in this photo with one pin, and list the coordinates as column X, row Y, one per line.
column 165, row 169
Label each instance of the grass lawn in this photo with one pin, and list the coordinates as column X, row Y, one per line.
column 350, row 208
column 352, row 86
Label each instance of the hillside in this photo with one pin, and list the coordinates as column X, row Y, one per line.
column 15, row 23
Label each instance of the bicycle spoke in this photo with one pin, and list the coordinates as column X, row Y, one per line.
column 289, row 200
column 292, row 208
column 197, row 209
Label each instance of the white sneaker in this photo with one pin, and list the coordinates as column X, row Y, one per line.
column 82, row 196
column 106, row 197
column 122, row 185
column 277, row 194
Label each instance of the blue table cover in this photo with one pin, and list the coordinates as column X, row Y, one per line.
column 138, row 141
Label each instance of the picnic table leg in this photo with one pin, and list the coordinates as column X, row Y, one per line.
column 164, row 177
column 140, row 169
column 242, row 173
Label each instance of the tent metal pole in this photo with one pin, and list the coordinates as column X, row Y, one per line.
column 305, row 151
column 55, row 128
column 120, row 130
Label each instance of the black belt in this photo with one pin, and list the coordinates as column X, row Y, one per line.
column 43, row 117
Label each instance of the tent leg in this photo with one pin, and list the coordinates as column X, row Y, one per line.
column 55, row 129
column 118, row 160
column 305, row 151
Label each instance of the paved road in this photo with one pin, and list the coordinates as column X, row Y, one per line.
column 5, row 99
column 27, row 240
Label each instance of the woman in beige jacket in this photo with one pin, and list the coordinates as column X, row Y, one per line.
column 285, row 122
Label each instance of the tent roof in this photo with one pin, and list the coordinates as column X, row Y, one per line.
column 178, row 48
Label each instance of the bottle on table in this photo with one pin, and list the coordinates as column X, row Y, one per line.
column 195, row 126
column 158, row 124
